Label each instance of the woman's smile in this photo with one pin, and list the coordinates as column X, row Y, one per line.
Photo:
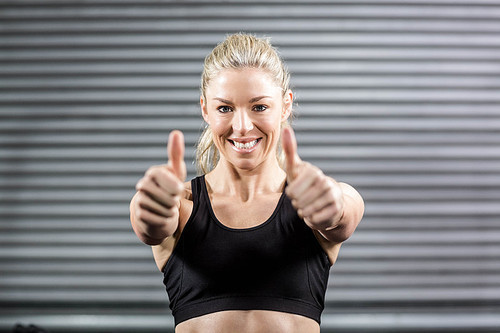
column 244, row 145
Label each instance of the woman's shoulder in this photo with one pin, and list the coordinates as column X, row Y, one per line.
column 188, row 191
column 198, row 183
column 186, row 207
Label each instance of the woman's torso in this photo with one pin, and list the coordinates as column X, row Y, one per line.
column 242, row 320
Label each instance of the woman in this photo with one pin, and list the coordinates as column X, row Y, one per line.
column 246, row 247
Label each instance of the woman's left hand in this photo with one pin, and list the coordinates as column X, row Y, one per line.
column 317, row 198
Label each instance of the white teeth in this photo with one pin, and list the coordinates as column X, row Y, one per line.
column 247, row 145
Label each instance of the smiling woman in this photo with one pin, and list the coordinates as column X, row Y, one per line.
column 242, row 52
column 247, row 246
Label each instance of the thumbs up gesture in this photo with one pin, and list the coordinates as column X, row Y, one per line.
column 317, row 198
column 154, row 210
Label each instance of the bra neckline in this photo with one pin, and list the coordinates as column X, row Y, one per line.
column 222, row 225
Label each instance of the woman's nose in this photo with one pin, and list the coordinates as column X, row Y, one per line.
column 242, row 123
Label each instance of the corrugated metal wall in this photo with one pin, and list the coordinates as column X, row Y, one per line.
column 399, row 98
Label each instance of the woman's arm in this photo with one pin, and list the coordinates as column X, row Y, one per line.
column 333, row 209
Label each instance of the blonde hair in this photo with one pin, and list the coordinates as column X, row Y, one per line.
column 238, row 51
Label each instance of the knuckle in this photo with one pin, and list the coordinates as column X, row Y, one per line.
column 326, row 183
column 171, row 201
column 172, row 211
column 333, row 210
column 147, row 181
column 139, row 196
column 142, row 199
column 151, row 170
column 317, row 171
column 177, row 187
column 307, row 211
column 141, row 215
column 330, row 196
column 316, row 206
column 156, row 172
column 313, row 218
column 321, row 185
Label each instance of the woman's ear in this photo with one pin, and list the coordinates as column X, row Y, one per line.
column 287, row 105
column 204, row 111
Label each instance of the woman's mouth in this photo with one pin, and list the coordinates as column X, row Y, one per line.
column 245, row 146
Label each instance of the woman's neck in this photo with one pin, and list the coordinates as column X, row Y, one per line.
column 246, row 184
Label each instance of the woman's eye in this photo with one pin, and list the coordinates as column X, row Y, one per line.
column 224, row 109
column 260, row 108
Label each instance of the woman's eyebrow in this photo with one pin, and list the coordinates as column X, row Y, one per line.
column 258, row 98
column 252, row 100
column 225, row 101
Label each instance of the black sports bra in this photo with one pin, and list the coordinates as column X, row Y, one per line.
column 277, row 265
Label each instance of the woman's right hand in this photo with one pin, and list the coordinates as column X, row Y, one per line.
column 154, row 210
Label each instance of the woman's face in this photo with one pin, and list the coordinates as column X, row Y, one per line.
column 244, row 109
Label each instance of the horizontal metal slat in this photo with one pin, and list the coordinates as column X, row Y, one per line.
column 84, row 323
column 64, row 224
column 76, row 253
column 423, row 266
column 261, row 25
column 411, row 252
column 257, row 10
column 112, row 281
column 410, row 223
column 413, row 280
column 78, row 267
column 69, row 3
column 117, row 297
column 486, row 236
column 56, row 238
column 279, row 39
column 409, row 295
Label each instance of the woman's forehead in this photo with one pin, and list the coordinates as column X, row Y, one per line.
column 247, row 82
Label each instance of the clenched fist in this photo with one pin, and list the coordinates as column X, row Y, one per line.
column 319, row 200
column 154, row 210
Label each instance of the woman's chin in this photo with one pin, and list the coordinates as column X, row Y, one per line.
column 245, row 165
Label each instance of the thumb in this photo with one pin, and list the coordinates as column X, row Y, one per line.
column 292, row 159
column 175, row 150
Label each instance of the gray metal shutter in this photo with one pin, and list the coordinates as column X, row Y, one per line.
column 399, row 98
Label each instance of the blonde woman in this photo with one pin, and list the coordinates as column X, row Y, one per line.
column 247, row 246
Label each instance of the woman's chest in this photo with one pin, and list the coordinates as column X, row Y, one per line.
column 235, row 214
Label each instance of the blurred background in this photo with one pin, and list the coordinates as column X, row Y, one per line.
column 399, row 98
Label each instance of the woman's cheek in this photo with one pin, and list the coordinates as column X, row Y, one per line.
column 220, row 127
